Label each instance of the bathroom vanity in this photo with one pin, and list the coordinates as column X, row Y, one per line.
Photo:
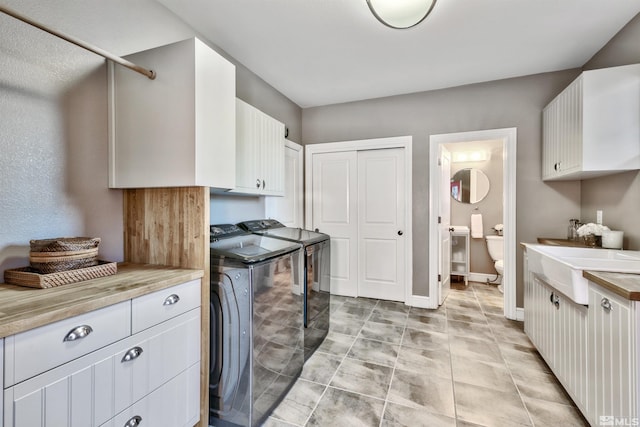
column 584, row 324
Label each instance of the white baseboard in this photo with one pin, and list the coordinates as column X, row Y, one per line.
column 520, row 314
column 481, row 277
column 421, row 302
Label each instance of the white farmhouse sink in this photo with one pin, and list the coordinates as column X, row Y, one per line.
column 562, row 266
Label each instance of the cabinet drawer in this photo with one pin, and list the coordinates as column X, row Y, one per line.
column 176, row 404
column 32, row 352
column 162, row 305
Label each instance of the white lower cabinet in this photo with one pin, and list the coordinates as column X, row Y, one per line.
column 152, row 374
column 557, row 327
column 613, row 364
column 592, row 350
column 178, row 400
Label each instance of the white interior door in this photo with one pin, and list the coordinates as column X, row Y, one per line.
column 288, row 209
column 381, row 224
column 444, row 235
column 334, row 206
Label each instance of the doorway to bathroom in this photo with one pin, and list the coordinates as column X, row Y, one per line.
column 465, row 150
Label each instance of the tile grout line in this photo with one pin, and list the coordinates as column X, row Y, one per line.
column 504, row 360
column 393, row 370
column 338, row 367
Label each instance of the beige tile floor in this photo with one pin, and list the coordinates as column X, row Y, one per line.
column 385, row 364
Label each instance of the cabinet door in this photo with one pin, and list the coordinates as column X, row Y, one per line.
column 259, row 152
column 562, row 133
column 612, row 356
column 272, row 157
column 169, row 131
column 570, row 349
column 540, row 322
column 64, row 400
column 459, row 254
column 175, row 404
column 248, row 179
column 549, row 141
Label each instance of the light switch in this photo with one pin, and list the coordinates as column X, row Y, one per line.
column 598, row 217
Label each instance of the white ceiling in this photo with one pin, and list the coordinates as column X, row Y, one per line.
column 319, row 52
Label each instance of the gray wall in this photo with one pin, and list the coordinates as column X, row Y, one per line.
column 53, row 131
column 543, row 209
column 618, row 196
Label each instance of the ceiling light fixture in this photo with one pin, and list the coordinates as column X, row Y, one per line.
column 401, row 14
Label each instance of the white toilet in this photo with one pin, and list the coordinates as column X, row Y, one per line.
column 495, row 245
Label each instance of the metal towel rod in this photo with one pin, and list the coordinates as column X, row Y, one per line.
column 149, row 73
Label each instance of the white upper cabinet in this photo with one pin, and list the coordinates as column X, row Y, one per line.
column 592, row 128
column 177, row 130
column 259, row 152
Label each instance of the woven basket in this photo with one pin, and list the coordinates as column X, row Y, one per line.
column 25, row 276
column 64, row 244
column 63, row 254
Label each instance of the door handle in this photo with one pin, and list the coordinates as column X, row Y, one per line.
column 400, row 233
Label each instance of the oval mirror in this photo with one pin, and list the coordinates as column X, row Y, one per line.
column 469, row 185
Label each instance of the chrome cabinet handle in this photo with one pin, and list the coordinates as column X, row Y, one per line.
column 171, row 299
column 258, row 183
column 264, row 184
column 606, row 304
column 400, row 233
column 133, row 421
column 555, row 300
column 132, row 354
column 78, row 333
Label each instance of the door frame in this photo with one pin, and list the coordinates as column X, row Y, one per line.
column 509, row 138
column 404, row 142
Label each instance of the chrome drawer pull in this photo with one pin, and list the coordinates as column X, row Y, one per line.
column 78, row 333
column 606, row 304
column 133, row 422
column 132, row 354
column 171, row 299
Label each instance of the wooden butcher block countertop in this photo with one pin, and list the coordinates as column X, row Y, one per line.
column 624, row 284
column 24, row 308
